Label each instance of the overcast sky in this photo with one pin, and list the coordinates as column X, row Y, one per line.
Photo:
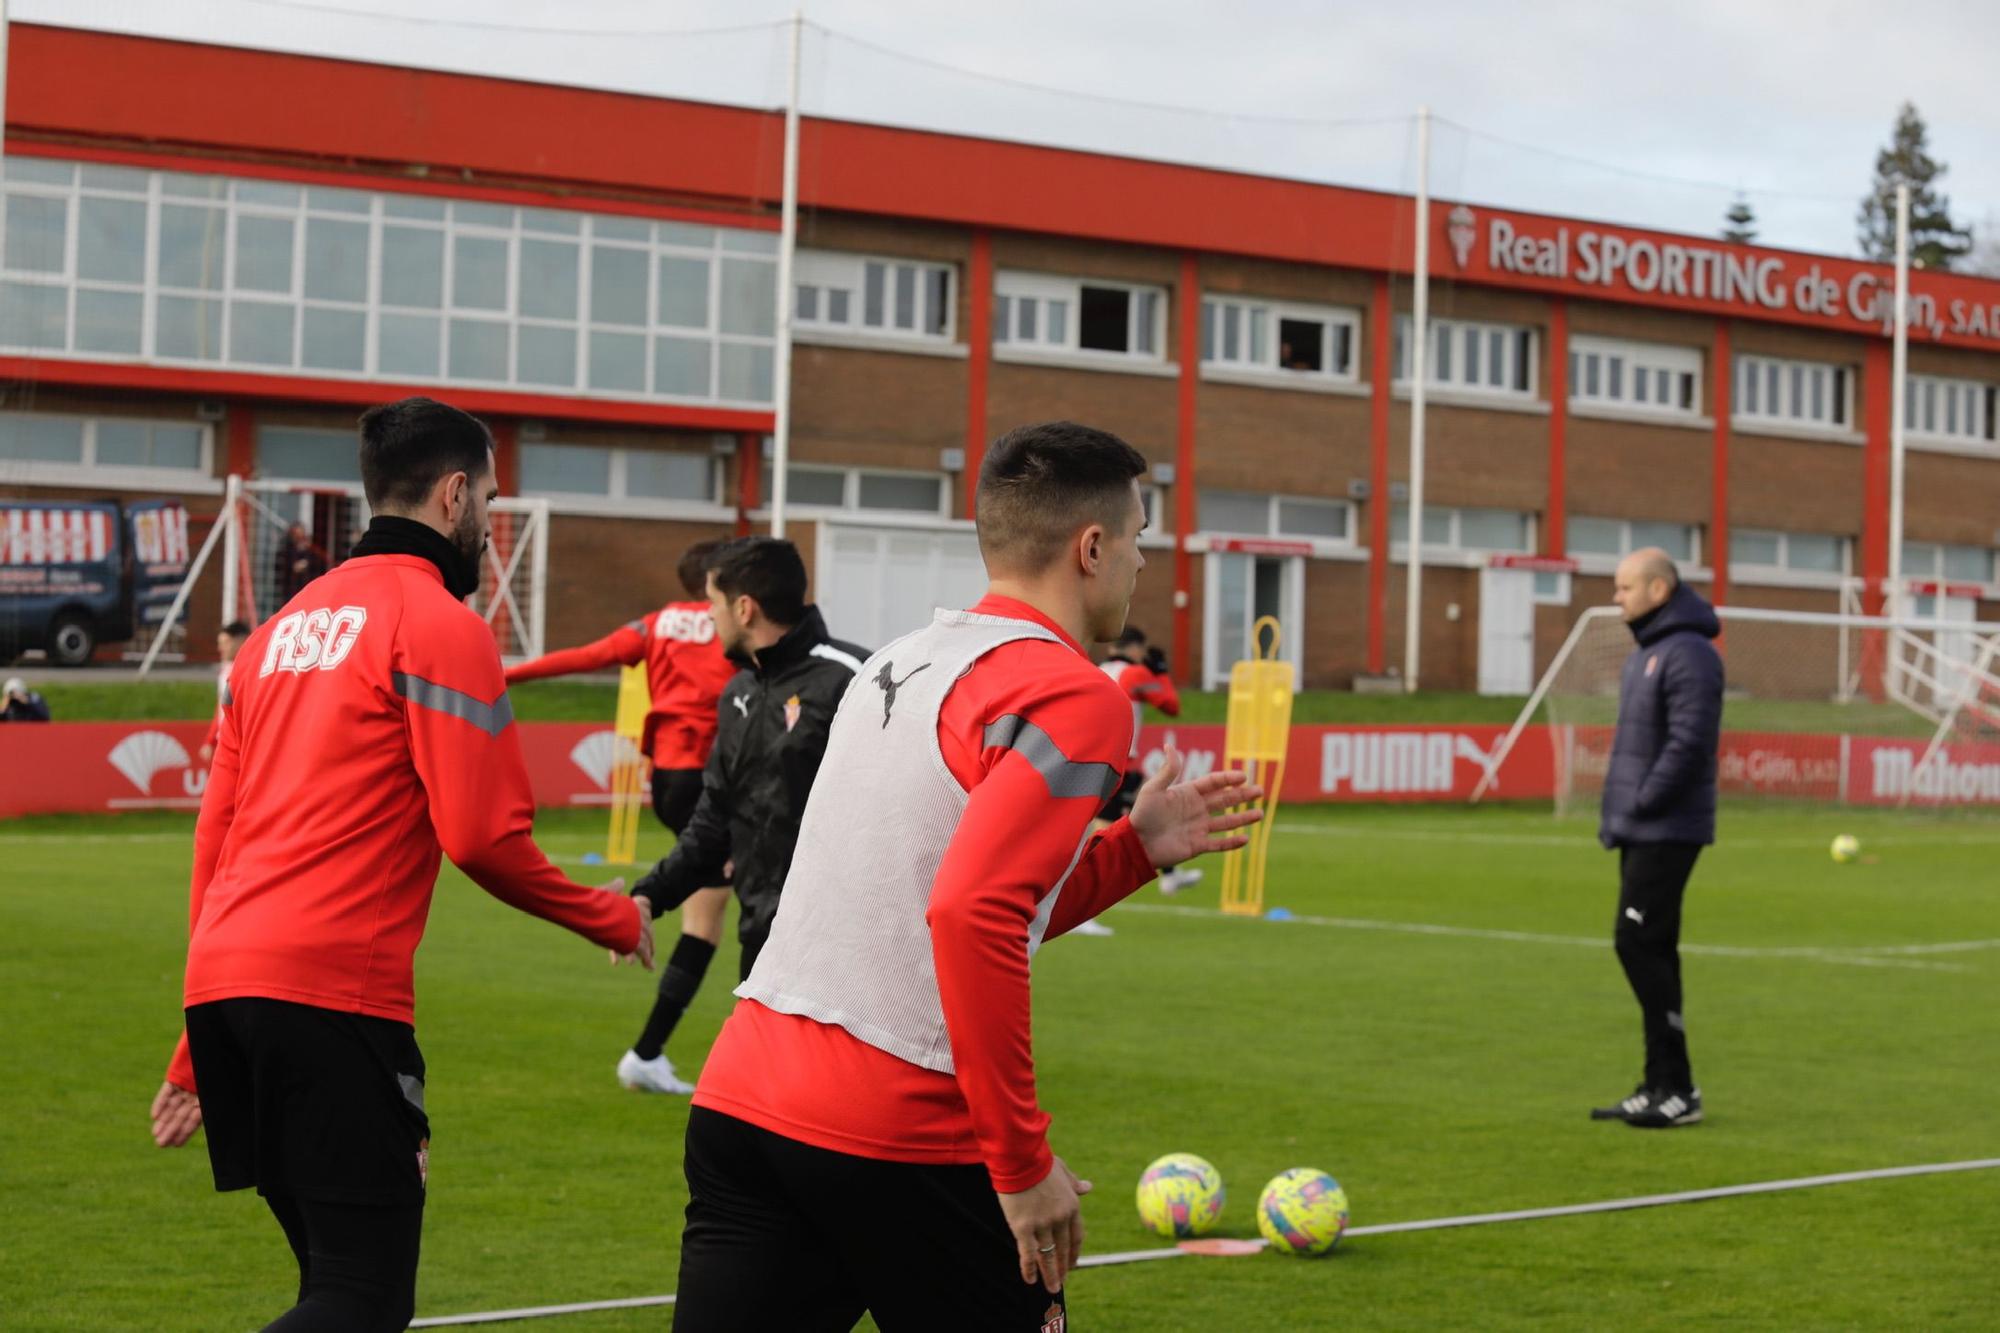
column 1787, row 101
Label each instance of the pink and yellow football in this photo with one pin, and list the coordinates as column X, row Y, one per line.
column 1180, row 1196
column 1303, row 1212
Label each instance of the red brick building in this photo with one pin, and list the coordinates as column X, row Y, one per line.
column 215, row 257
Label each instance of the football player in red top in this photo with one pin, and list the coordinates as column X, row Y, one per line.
column 1141, row 672
column 686, row 670
column 365, row 732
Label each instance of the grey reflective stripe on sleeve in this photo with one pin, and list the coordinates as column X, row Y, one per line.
column 413, row 1089
column 490, row 718
column 1066, row 778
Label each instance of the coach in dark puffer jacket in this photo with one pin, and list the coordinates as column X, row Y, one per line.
column 1659, row 812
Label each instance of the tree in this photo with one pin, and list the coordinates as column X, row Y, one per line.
column 1742, row 222
column 1935, row 241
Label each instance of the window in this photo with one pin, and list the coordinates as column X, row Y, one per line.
column 1484, row 358
column 1620, row 537
column 1250, row 514
column 559, row 470
column 1466, row 529
column 264, row 275
column 1646, row 377
column 1797, row 552
column 1798, row 393
column 295, row 453
column 1246, row 334
column 1068, row 315
column 1938, row 563
column 1962, row 410
column 49, row 444
column 896, row 298
column 867, row 489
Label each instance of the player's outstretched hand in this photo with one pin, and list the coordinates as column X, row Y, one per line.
column 642, row 953
column 176, row 1116
column 1047, row 1222
column 1179, row 823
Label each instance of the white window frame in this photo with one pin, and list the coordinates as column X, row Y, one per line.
column 1610, row 373
column 1273, row 502
column 1935, row 573
column 664, row 238
column 1456, row 544
column 1627, row 543
column 1514, row 338
column 850, row 501
column 1959, row 412
column 1251, row 311
column 827, row 271
column 87, row 471
column 616, row 497
column 1783, row 573
column 1011, row 287
column 1752, row 405
column 1560, row 588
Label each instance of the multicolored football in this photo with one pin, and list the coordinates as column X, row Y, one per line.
column 1180, row 1196
column 1303, row 1211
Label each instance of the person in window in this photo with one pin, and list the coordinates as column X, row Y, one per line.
column 23, row 704
column 297, row 563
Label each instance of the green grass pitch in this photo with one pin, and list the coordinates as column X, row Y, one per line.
column 1435, row 1072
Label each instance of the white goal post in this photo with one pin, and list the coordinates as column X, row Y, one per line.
column 1810, row 698
column 270, row 537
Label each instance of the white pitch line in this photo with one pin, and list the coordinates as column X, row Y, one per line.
column 1584, row 840
column 1382, row 1229
column 1808, row 953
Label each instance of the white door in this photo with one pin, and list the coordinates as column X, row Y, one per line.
column 1956, row 648
column 877, row 584
column 1506, row 631
column 1242, row 589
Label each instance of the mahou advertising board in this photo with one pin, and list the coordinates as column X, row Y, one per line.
column 107, row 767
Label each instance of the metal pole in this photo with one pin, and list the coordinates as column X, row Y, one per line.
column 1413, row 599
column 788, row 239
column 1898, row 389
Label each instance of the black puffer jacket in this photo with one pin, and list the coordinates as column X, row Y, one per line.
column 1661, row 783
column 775, row 714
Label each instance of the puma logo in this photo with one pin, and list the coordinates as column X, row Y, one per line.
column 1637, row 916
column 887, row 680
column 742, row 703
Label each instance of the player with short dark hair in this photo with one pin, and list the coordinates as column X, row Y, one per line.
column 686, row 670
column 865, row 1134
column 227, row 640
column 366, row 730
column 1140, row 669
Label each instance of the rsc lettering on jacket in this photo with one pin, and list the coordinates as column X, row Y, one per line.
column 317, row 639
column 681, row 624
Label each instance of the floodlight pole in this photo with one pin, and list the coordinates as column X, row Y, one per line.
column 1898, row 397
column 1413, row 595
column 788, row 240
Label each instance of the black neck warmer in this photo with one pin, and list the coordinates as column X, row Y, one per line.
column 390, row 535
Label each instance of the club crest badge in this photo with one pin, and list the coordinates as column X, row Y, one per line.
column 1652, row 664
column 792, row 712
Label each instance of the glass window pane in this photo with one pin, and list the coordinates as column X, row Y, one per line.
column 1814, row 552
column 35, row 233
column 1592, row 365
column 125, row 180
column 618, row 362
column 1145, row 320
column 618, row 285
column 267, row 194
column 41, row 170
column 26, row 438
column 838, row 299
column 1496, row 358
column 177, row 446
column 683, row 292
column 937, row 302
column 620, row 229
column 1058, row 332
column 548, row 277
column 1798, row 398
column 260, row 332
column 565, row 469
column 413, row 206
column 815, row 486
column 745, row 373
column 111, row 240
column 1595, row 536
column 680, row 367
column 684, row 234
column 123, row 443
column 551, row 221
column 1306, row 518
column 308, row 455
column 336, row 260
column 109, row 321
column 334, row 339
column 1472, row 341
column 1968, row 564
column 264, row 254
column 1440, row 370
column 412, row 267
column 807, row 307
column 1025, row 308
column 1003, row 318
column 189, row 327
column 407, row 345
column 179, row 185
column 191, row 241
column 478, row 350
column 1233, row 511
column 1754, row 548
column 1492, row 530
column 1920, row 560
column 483, row 215
column 479, row 272
column 656, row 474
column 906, row 296
column 920, row 495
column 545, row 355
column 749, row 242
column 1669, row 537
column 325, row 199
column 1232, row 332
column 749, row 297
column 1437, row 526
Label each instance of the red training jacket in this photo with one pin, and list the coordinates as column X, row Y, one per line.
column 685, row 668
column 367, row 730
column 1143, row 685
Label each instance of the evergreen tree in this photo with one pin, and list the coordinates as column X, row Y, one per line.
column 1935, row 241
column 1741, row 222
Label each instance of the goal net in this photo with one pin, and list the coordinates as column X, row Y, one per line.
column 271, row 539
column 1825, row 708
